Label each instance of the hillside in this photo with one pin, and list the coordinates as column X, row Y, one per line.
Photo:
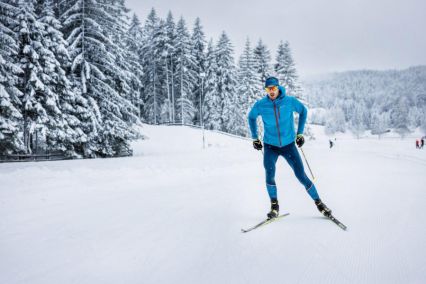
column 369, row 100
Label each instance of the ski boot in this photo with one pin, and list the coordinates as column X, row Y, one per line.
column 275, row 208
column 323, row 208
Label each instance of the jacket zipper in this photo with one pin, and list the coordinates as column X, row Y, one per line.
column 277, row 123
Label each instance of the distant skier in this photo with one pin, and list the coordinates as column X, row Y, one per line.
column 417, row 144
column 331, row 143
column 276, row 110
column 422, row 143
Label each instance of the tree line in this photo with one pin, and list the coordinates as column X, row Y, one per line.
column 80, row 76
column 369, row 100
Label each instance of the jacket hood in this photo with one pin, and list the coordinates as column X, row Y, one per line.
column 282, row 91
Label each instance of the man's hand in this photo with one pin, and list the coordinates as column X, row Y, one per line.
column 257, row 144
column 300, row 140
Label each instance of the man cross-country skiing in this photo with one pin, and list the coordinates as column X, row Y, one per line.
column 276, row 110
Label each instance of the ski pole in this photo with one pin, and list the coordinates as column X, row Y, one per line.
column 307, row 163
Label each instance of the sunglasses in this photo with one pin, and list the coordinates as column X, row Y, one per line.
column 271, row 89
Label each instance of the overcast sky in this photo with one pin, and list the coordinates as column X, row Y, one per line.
column 324, row 35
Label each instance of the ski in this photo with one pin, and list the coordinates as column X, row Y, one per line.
column 337, row 222
column 265, row 222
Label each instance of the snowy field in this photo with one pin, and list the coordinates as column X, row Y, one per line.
column 173, row 214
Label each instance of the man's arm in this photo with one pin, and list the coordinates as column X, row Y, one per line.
column 303, row 114
column 253, row 114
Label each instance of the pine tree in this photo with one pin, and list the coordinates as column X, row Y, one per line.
column 161, row 48
column 415, row 116
column 211, row 103
column 286, row 69
column 126, row 82
column 123, row 114
column 133, row 46
column 357, row 124
column 198, row 43
column 226, row 76
column 423, row 121
column 170, row 66
column 153, row 38
column 262, row 61
column 10, row 106
column 90, row 27
column 65, row 130
column 335, row 121
column 42, row 118
column 185, row 74
column 83, row 37
column 399, row 117
column 148, row 97
column 380, row 122
column 248, row 86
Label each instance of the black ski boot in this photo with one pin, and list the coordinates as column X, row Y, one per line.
column 323, row 208
column 275, row 208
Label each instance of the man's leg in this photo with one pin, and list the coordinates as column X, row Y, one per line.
column 292, row 157
column 269, row 160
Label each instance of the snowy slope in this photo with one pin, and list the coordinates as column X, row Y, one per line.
column 173, row 214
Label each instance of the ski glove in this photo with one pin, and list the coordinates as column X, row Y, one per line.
column 257, row 144
column 300, row 140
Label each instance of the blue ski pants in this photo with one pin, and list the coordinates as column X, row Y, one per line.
column 291, row 155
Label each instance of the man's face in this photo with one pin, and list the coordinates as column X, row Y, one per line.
column 272, row 91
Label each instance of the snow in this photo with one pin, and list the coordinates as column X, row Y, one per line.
column 173, row 214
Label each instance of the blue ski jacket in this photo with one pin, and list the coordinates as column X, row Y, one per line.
column 277, row 117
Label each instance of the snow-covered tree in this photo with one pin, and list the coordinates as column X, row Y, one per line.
column 399, row 117
column 415, row 116
column 318, row 116
column 248, row 85
column 119, row 112
column 170, row 66
column 198, row 44
column 83, row 35
column 42, row 118
column 380, row 122
column 335, row 121
column 211, row 103
column 127, row 82
column 149, row 80
column 381, row 90
column 10, row 103
column 226, row 73
column 133, row 45
column 262, row 61
column 153, row 54
column 64, row 128
column 90, row 27
column 134, row 33
column 357, row 124
column 423, row 121
column 184, row 74
column 163, row 72
column 285, row 69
